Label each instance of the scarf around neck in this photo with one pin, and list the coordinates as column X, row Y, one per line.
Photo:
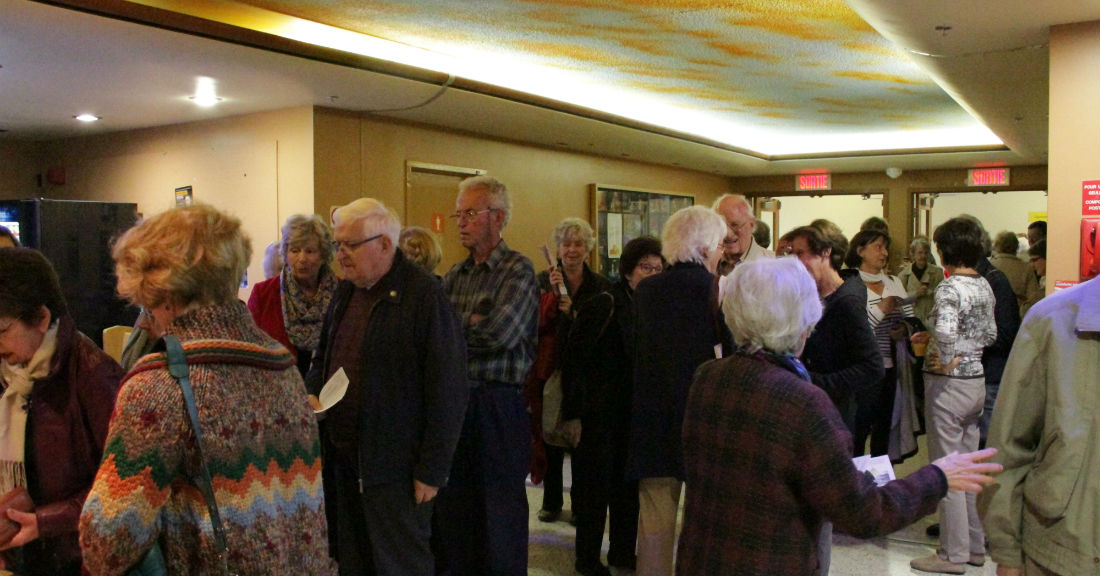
column 302, row 315
column 14, row 404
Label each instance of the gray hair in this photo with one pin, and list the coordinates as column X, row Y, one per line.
column 770, row 303
column 575, row 228
column 301, row 228
column 690, row 231
column 744, row 203
column 922, row 241
column 376, row 218
column 499, row 199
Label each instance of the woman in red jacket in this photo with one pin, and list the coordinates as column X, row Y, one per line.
column 290, row 306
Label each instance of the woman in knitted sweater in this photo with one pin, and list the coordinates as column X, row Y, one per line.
column 259, row 434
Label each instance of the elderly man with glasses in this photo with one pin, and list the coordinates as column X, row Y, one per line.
column 388, row 444
column 739, row 245
column 482, row 514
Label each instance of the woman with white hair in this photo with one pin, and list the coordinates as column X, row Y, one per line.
column 766, row 455
column 677, row 327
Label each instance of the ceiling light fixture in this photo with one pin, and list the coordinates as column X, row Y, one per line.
column 205, row 94
column 86, row 117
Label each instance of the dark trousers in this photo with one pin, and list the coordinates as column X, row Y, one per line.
column 382, row 531
column 552, row 485
column 623, row 503
column 599, row 487
column 482, row 513
column 873, row 418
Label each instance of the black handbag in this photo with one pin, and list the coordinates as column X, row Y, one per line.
column 153, row 563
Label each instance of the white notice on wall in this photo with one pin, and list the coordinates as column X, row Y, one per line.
column 614, row 235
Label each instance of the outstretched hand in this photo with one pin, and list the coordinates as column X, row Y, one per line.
column 967, row 472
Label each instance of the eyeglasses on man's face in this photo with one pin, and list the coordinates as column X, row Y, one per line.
column 350, row 245
column 650, row 268
column 467, row 215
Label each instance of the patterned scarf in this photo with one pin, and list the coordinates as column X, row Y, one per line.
column 303, row 315
column 788, row 362
column 19, row 381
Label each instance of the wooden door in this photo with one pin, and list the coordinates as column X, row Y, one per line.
column 430, row 193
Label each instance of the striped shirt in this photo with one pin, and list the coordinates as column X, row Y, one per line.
column 963, row 322
column 503, row 289
column 881, row 323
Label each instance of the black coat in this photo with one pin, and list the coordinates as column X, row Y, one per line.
column 415, row 392
column 841, row 353
column 589, row 349
column 676, row 327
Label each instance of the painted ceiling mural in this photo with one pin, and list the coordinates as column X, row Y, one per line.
column 777, row 77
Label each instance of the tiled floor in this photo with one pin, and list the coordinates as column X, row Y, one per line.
column 551, row 545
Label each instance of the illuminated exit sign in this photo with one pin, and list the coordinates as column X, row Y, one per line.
column 987, row 177
column 813, row 182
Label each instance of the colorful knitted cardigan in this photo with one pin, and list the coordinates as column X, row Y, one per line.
column 261, row 444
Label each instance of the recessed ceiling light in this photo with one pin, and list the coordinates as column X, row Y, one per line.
column 205, row 94
column 86, row 117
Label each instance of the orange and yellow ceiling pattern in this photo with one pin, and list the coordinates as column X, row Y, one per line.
column 776, row 77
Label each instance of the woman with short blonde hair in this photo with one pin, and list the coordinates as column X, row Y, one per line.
column 259, row 434
column 421, row 246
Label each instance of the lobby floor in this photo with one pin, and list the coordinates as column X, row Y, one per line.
column 551, row 545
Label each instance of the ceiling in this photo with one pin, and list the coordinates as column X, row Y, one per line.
column 732, row 87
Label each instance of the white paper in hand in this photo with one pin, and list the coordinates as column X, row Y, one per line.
column 879, row 467
column 333, row 391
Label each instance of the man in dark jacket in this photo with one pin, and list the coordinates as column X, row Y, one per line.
column 388, row 443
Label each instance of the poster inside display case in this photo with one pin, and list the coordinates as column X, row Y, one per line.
column 622, row 214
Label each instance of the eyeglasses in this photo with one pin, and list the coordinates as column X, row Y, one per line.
column 351, row 246
column 736, row 227
column 467, row 215
column 651, row 268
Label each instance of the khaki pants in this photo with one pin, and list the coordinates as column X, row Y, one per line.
column 659, row 503
column 1033, row 569
column 953, row 407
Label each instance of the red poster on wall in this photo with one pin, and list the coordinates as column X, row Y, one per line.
column 1090, row 198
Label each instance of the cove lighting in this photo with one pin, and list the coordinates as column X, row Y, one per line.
column 86, row 117
column 515, row 71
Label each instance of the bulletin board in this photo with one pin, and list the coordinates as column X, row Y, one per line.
column 621, row 214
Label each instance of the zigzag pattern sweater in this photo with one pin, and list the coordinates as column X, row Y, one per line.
column 261, row 444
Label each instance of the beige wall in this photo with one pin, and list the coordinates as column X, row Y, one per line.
column 898, row 193
column 1074, row 140
column 546, row 185
column 19, row 169
column 258, row 167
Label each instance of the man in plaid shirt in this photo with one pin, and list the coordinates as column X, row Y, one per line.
column 482, row 514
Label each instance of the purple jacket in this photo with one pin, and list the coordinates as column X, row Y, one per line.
column 767, row 458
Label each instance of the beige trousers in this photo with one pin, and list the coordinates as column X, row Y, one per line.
column 658, row 505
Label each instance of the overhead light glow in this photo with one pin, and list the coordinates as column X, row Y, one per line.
column 86, row 117
column 205, row 94
column 516, row 72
